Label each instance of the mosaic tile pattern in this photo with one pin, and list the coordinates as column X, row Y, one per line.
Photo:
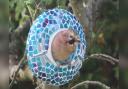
column 38, row 41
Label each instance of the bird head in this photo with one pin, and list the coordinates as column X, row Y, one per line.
column 70, row 37
column 64, row 44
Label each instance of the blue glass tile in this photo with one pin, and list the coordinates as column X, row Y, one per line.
column 56, row 10
column 46, row 47
column 47, row 70
column 44, row 79
column 38, row 31
column 52, row 12
column 40, row 40
column 50, row 17
column 55, row 14
column 46, row 21
column 55, row 69
column 47, row 36
column 48, row 75
column 46, row 41
column 33, row 42
column 43, row 35
column 40, row 20
column 39, row 63
column 48, row 80
column 38, row 59
column 64, row 69
column 52, row 77
column 39, row 68
column 71, row 22
column 69, row 77
column 57, row 79
column 65, row 25
column 36, row 70
column 47, row 64
column 30, row 65
column 30, row 48
column 39, row 77
column 35, row 52
column 33, row 38
column 64, row 73
column 56, row 75
column 64, row 78
column 74, row 18
column 54, row 22
column 65, row 17
column 43, row 69
column 57, row 83
column 30, row 53
column 68, row 73
column 53, row 81
column 43, row 75
column 50, row 32
column 34, row 65
column 69, row 67
column 60, row 74
column 40, row 73
column 44, row 16
column 74, row 66
column 71, row 72
column 44, row 24
column 52, row 66
column 38, row 26
column 60, row 16
column 63, row 21
column 61, row 26
column 77, row 24
column 52, row 72
column 60, row 69
column 50, row 21
column 75, row 27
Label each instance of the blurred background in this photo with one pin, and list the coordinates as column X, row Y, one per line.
column 4, row 72
column 105, row 26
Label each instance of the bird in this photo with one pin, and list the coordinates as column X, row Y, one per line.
column 55, row 46
column 64, row 44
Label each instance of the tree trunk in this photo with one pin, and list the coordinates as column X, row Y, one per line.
column 83, row 11
column 87, row 11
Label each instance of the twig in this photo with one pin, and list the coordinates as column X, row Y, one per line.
column 29, row 12
column 91, row 82
column 15, row 74
column 105, row 57
column 37, row 8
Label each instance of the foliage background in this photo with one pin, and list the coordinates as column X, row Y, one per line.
column 105, row 38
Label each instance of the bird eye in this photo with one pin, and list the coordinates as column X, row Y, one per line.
column 72, row 41
column 71, row 36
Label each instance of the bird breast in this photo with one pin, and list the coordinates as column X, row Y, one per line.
column 60, row 49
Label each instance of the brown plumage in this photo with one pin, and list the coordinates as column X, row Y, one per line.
column 64, row 43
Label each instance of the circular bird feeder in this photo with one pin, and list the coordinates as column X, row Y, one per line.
column 38, row 48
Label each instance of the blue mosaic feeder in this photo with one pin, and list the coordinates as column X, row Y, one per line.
column 38, row 47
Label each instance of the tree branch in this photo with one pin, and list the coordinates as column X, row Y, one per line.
column 92, row 83
column 15, row 73
column 104, row 57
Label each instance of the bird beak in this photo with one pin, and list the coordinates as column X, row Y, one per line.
column 77, row 39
